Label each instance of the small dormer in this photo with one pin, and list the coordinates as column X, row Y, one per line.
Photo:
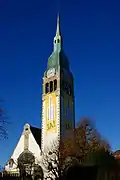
column 10, row 163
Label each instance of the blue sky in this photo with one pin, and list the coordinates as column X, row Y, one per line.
column 91, row 34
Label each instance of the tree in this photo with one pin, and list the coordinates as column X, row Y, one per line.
column 51, row 161
column 3, row 123
column 87, row 139
column 73, row 150
column 58, row 158
column 67, row 144
column 26, row 162
column 100, row 157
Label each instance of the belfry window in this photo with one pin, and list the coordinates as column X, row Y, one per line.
column 58, row 40
column 46, row 88
column 55, row 85
column 51, row 86
column 66, row 88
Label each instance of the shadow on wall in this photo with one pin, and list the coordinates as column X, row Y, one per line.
column 82, row 172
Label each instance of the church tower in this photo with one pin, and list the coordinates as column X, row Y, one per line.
column 58, row 95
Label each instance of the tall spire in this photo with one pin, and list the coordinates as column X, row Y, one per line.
column 58, row 25
column 58, row 38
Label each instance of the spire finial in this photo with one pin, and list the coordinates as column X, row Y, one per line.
column 58, row 25
column 58, row 38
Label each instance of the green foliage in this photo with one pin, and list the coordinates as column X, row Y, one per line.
column 99, row 157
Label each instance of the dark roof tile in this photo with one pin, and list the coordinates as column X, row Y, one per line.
column 37, row 134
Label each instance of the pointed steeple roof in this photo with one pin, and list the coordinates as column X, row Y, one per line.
column 58, row 57
column 58, row 26
column 58, row 38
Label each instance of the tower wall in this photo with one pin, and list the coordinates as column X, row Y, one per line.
column 50, row 128
column 58, row 96
column 50, row 114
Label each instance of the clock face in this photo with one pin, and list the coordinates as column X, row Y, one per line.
column 51, row 72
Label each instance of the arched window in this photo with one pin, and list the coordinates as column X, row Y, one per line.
column 58, row 40
column 51, row 86
column 55, row 85
column 46, row 88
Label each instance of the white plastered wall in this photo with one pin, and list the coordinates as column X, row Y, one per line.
column 33, row 147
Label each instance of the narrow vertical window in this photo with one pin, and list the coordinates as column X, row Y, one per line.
column 51, row 115
column 66, row 87
column 50, row 109
column 51, row 86
column 67, row 126
column 55, row 85
column 46, row 88
column 69, row 90
column 62, row 108
column 63, row 85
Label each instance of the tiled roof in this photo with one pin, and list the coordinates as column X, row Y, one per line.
column 37, row 134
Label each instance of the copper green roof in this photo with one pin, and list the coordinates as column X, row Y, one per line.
column 58, row 58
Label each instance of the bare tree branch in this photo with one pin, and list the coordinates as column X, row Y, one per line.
column 52, row 161
column 3, row 123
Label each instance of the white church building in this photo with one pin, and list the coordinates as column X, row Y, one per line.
column 58, row 114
